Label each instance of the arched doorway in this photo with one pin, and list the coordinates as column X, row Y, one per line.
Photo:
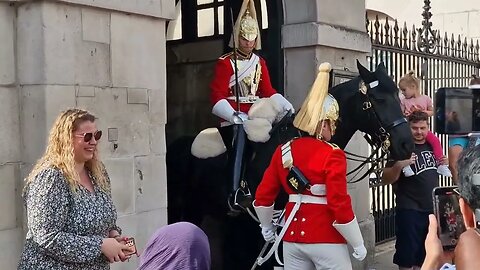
column 196, row 38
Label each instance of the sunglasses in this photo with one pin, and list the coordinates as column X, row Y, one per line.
column 88, row 136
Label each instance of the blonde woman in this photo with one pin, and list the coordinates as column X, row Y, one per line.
column 71, row 219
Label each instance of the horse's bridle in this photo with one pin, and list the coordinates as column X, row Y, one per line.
column 383, row 137
column 383, row 133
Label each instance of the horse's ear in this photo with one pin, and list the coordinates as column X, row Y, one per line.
column 365, row 74
column 381, row 67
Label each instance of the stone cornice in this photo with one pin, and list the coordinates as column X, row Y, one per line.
column 320, row 34
column 164, row 9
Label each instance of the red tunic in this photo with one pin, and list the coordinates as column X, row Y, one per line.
column 223, row 72
column 321, row 163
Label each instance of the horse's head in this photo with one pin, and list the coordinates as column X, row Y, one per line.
column 373, row 106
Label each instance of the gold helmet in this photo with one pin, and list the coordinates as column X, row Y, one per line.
column 246, row 25
column 319, row 105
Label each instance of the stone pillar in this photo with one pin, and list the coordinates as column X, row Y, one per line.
column 317, row 31
column 108, row 57
column 11, row 234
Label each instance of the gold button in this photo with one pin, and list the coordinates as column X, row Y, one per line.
column 303, row 219
column 294, row 219
column 302, row 233
column 292, row 233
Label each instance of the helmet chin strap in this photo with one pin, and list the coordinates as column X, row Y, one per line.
column 319, row 132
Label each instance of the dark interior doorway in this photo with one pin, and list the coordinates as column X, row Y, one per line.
column 197, row 37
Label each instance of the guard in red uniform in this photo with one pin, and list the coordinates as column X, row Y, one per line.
column 319, row 216
column 252, row 82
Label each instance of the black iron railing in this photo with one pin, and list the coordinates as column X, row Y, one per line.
column 440, row 61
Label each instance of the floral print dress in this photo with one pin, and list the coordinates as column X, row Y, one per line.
column 65, row 227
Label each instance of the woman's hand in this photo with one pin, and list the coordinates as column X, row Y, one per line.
column 113, row 250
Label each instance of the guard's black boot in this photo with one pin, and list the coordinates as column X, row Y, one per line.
column 239, row 201
column 239, row 197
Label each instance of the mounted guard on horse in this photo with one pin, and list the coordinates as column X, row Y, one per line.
column 241, row 79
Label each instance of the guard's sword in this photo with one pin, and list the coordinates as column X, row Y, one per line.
column 235, row 69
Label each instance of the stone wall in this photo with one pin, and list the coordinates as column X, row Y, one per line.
column 105, row 56
column 11, row 233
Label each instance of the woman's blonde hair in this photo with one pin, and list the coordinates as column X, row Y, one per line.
column 60, row 154
column 409, row 79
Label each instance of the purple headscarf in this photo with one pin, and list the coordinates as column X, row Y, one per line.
column 179, row 246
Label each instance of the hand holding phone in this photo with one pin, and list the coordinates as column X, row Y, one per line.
column 449, row 218
column 130, row 243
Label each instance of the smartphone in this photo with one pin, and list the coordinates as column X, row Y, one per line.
column 449, row 218
column 457, row 110
column 130, row 242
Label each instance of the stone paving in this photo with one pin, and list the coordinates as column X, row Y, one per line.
column 383, row 257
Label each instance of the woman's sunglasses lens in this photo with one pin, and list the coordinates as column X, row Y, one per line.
column 98, row 135
column 87, row 137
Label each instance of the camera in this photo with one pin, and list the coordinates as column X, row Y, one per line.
column 457, row 110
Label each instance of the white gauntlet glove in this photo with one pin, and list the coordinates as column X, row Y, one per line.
column 283, row 102
column 351, row 232
column 265, row 216
column 268, row 233
column 224, row 110
column 360, row 252
column 238, row 117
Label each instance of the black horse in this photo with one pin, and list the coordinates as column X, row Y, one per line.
column 197, row 189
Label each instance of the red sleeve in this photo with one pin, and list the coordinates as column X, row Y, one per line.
column 265, row 86
column 219, row 85
column 270, row 185
column 338, row 200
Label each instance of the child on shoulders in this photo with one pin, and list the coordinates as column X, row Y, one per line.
column 412, row 101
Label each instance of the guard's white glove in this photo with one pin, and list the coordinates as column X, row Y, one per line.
column 224, row 110
column 283, row 103
column 238, row 118
column 265, row 216
column 268, row 233
column 359, row 252
column 351, row 232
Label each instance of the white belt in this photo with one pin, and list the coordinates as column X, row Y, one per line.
column 248, row 99
column 302, row 198
column 298, row 199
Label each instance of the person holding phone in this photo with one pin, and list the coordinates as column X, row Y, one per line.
column 467, row 252
column 71, row 219
column 413, row 195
